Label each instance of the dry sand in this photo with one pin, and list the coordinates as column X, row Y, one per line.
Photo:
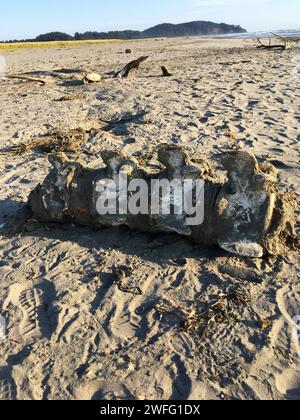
column 71, row 333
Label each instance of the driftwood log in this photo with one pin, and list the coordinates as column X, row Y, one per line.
column 271, row 46
column 130, row 67
column 246, row 215
column 27, row 78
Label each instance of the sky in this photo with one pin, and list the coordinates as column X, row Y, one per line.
column 21, row 19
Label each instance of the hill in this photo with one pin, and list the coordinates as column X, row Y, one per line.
column 167, row 30
column 197, row 28
column 192, row 29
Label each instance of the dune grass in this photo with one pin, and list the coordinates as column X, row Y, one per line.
column 54, row 44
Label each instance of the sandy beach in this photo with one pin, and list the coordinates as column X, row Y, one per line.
column 70, row 331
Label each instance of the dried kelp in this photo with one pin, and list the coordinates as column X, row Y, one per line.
column 121, row 277
column 203, row 317
column 54, row 142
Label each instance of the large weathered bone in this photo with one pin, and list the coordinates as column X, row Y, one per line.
column 246, row 215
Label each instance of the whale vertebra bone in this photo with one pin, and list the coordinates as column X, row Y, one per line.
column 246, row 215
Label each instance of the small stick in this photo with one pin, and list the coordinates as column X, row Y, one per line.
column 30, row 79
column 280, row 36
column 259, row 40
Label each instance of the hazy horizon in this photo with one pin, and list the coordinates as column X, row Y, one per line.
column 21, row 20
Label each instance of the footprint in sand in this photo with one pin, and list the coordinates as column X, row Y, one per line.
column 30, row 303
column 136, row 319
column 121, row 324
column 288, row 379
column 113, row 391
column 35, row 304
column 68, row 324
column 288, row 301
column 18, row 246
column 8, row 389
column 288, row 384
column 181, row 381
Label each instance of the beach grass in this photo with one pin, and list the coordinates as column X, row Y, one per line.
column 54, row 44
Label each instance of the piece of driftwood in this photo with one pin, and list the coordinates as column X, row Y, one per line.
column 40, row 74
column 130, row 67
column 165, row 72
column 245, row 215
column 28, row 78
column 72, row 71
column 271, row 46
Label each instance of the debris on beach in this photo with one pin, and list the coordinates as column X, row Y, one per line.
column 271, row 46
column 54, row 142
column 165, row 72
column 72, row 71
column 130, row 67
column 203, row 317
column 91, row 78
column 120, row 277
column 80, row 75
column 27, row 78
column 83, row 75
column 246, row 215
